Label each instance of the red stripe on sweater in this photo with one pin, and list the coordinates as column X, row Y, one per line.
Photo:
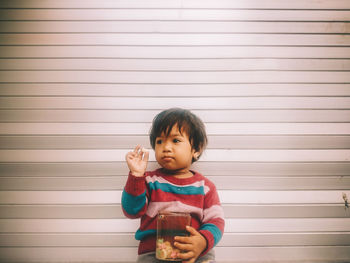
column 192, row 200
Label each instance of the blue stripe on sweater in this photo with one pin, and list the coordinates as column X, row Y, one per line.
column 185, row 190
column 139, row 235
column 133, row 204
column 214, row 230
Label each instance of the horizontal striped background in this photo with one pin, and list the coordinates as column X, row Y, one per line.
column 80, row 82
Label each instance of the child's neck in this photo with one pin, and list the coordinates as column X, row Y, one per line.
column 180, row 174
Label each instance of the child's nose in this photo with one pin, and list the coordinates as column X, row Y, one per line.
column 166, row 146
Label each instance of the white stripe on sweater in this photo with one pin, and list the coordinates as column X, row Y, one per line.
column 214, row 211
column 173, row 206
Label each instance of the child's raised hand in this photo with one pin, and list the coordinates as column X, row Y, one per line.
column 137, row 161
column 194, row 245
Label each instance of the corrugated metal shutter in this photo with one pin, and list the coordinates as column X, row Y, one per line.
column 80, row 82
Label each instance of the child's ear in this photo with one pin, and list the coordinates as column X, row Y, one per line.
column 196, row 155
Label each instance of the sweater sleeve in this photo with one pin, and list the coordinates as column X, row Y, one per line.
column 134, row 197
column 213, row 223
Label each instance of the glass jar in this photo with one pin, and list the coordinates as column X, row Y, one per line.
column 169, row 225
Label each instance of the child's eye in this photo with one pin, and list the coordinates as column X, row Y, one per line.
column 176, row 140
column 158, row 141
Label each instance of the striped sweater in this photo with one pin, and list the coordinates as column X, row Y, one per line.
column 145, row 196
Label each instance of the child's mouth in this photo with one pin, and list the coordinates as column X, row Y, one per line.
column 167, row 158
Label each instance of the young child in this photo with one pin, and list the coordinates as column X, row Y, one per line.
column 178, row 138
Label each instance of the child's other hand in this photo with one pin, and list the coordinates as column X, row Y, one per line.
column 137, row 161
column 194, row 245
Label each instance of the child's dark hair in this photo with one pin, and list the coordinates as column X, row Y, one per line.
column 186, row 121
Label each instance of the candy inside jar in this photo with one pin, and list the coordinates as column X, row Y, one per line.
column 169, row 225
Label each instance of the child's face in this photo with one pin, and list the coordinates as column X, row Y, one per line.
column 174, row 152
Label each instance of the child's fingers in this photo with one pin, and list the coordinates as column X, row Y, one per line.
column 137, row 149
column 145, row 155
column 140, row 152
column 183, row 246
column 187, row 255
column 184, row 240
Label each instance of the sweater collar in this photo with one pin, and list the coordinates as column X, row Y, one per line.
column 180, row 181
